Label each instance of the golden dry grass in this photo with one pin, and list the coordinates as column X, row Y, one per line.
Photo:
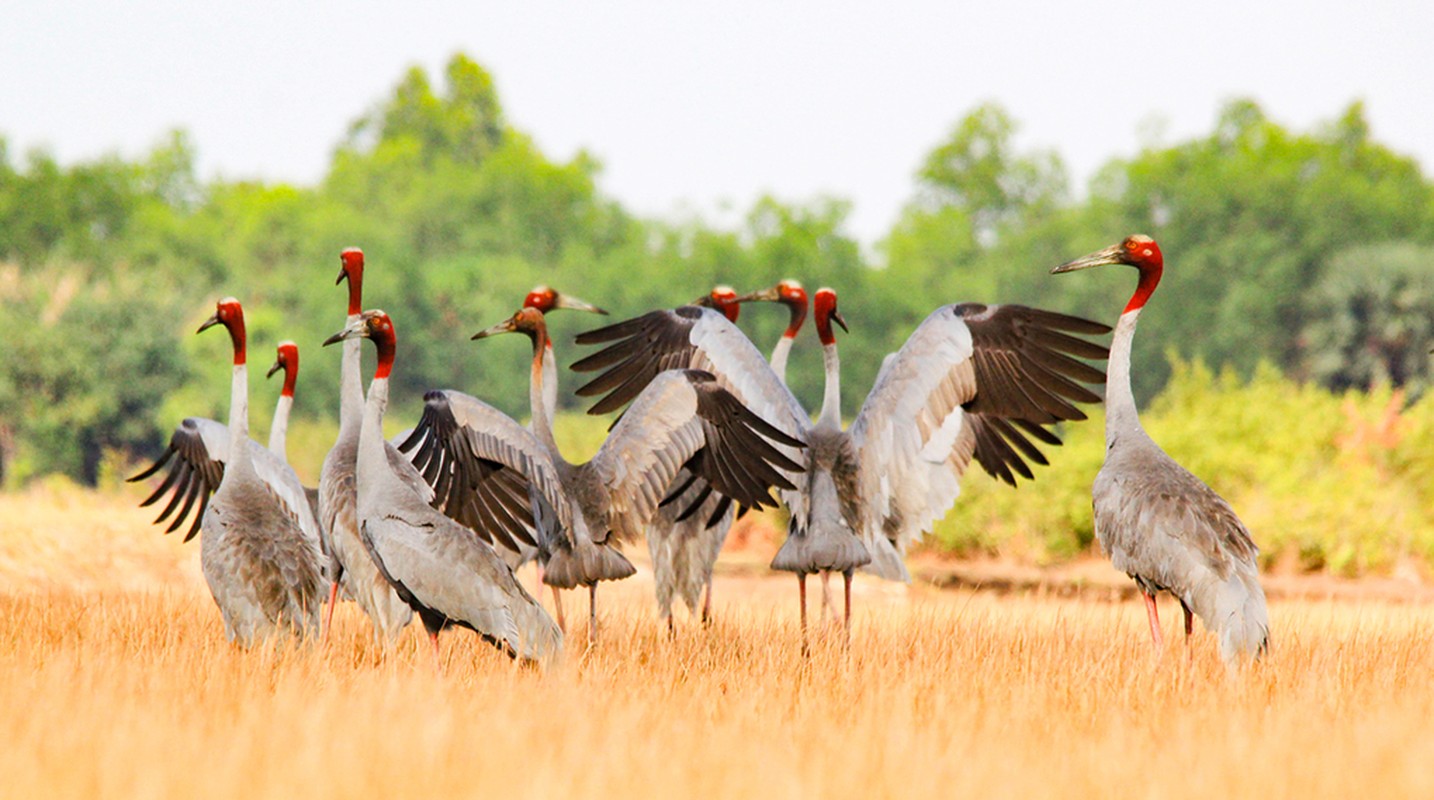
column 124, row 686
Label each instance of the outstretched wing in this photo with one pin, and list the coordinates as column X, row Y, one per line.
column 483, row 468
column 196, row 455
column 973, row 381
column 685, row 419
column 692, row 337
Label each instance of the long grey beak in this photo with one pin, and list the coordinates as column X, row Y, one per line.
column 343, row 273
column 506, row 326
column 1110, row 255
column 765, row 295
column 574, row 304
column 837, row 318
column 208, row 323
column 358, row 328
column 278, row 365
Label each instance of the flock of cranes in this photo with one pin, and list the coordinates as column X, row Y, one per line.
column 436, row 523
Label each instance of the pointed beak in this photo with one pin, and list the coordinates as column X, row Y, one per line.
column 837, row 318
column 358, row 328
column 278, row 365
column 343, row 273
column 208, row 323
column 506, row 326
column 1110, row 255
column 767, row 295
column 574, row 304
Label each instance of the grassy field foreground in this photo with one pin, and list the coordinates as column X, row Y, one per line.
column 115, row 680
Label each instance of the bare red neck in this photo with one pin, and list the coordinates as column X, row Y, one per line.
column 798, row 316
column 234, row 323
column 1150, row 273
column 353, row 270
column 825, row 306
column 291, row 368
column 387, row 342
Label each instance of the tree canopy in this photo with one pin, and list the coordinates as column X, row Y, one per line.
column 1309, row 250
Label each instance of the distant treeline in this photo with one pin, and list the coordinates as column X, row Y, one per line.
column 1311, row 251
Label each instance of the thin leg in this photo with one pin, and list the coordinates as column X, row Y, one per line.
column 539, row 591
column 1154, row 615
column 671, row 627
column 329, row 617
column 558, row 606
column 846, row 590
column 707, row 604
column 828, row 607
column 437, row 660
column 592, row 615
column 802, row 587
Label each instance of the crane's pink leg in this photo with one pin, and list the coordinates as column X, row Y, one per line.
column 1189, row 621
column 592, row 615
column 329, row 617
column 437, row 658
column 671, row 627
column 558, row 606
column 802, row 587
column 846, row 622
column 707, row 604
column 828, row 607
column 539, row 565
column 1154, row 616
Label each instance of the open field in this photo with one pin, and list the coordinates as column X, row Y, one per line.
column 115, row 680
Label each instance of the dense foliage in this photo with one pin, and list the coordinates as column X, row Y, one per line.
column 1308, row 251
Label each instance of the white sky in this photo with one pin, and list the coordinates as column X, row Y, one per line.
column 706, row 105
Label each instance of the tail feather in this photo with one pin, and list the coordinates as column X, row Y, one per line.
column 1245, row 630
column 886, row 562
column 538, row 636
column 820, row 548
column 1234, row 609
column 585, row 564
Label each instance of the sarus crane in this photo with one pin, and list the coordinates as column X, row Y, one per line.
column 263, row 567
column 350, row 565
column 1161, row 525
column 691, row 525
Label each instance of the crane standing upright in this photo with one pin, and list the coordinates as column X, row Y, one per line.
column 1161, row 525
column 349, row 562
column 263, row 568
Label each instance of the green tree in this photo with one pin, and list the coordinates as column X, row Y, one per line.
column 1371, row 319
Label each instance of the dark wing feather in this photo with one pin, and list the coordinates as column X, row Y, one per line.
column 196, row 454
column 481, row 465
column 1025, row 362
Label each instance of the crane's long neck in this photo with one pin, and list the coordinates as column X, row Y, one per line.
column 798, row 315
column 279, row 432
column 550, row 382
column 537, row 393
column 779, row 356
column 239, row 415
column 1121, row 415
column 351, row 385
column 371, row 455
column 831, row 398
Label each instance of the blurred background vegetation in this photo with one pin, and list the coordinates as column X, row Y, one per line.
column 1300, row 268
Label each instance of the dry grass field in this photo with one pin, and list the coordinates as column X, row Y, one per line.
column 116, row 681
